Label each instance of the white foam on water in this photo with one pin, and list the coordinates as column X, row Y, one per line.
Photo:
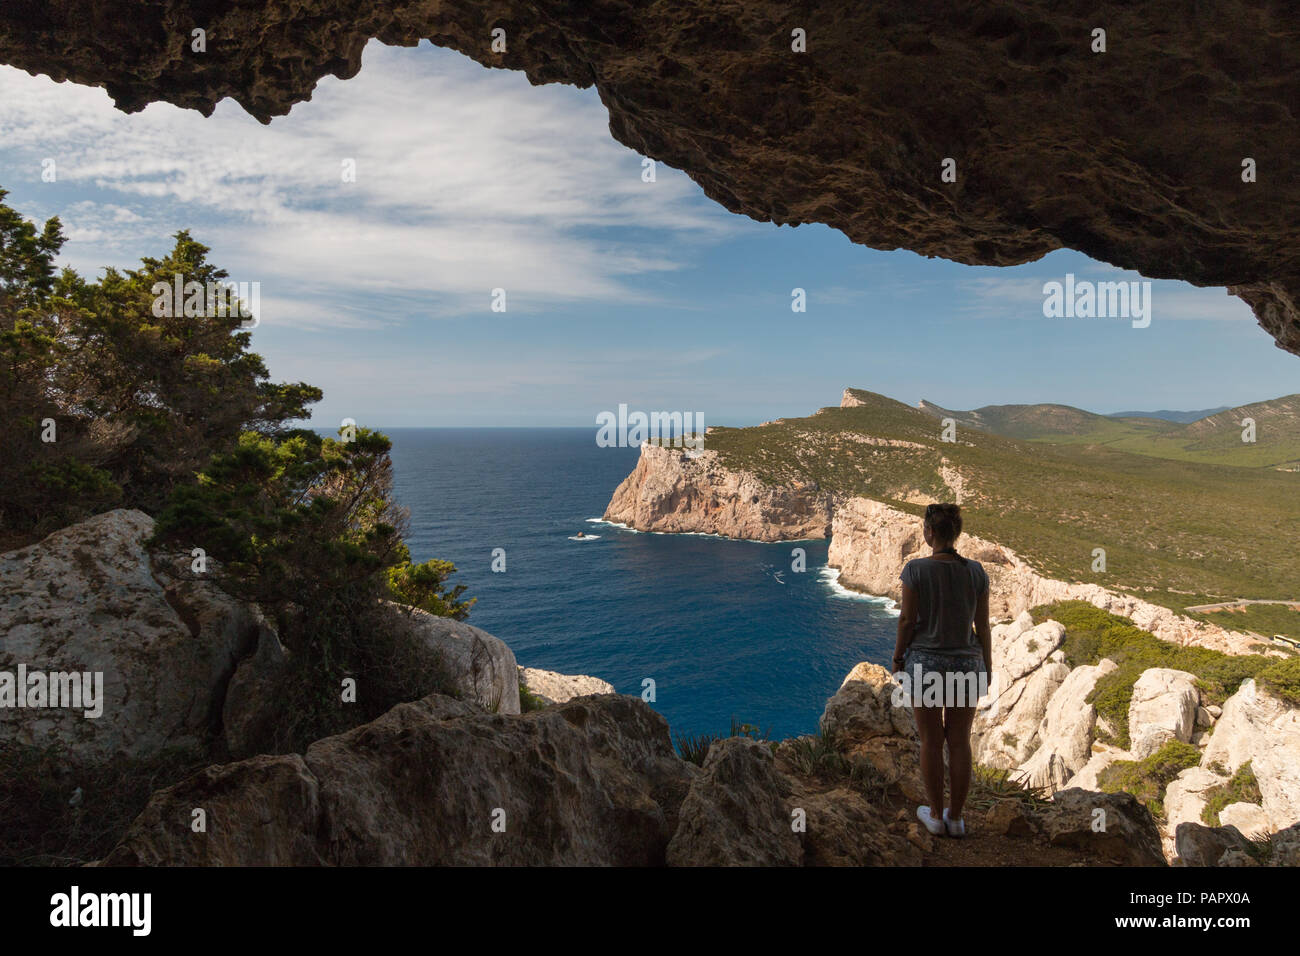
column 585, row 537
column 831, row 578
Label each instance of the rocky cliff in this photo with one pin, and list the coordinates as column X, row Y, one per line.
column 672, row 491
column 1128, row 146
column 675, row 490
column 871, row 541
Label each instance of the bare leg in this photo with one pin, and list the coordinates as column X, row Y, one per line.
column 956, row 731
column 929, row 724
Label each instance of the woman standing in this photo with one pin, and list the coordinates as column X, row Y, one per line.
column 944, row 645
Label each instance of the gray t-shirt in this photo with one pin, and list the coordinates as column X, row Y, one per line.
column 946, row 593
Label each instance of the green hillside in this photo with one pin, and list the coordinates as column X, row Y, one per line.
column 1178, row 532
column 1215, row 439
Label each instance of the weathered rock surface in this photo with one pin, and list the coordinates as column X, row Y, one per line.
column 88, row 598
column 871, row 541
column 251, row 703
column 1065, row 733
column 1133, row 156
column 482, row 665
column 737, row 811
column 555, row 688
column 1112, row 825
column 675, row 490
column 1185, row 799
column 1250, row 818
column 1258, row 727
column 424, row 784
column 1198, row 845
column 844, row 829
column 868, row 720
column 1163, row 709
column 1027, row 673
column 1101, row 758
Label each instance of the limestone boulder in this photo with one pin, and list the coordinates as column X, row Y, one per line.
column 1101, row 757
column 844, row 829
column 869, row 720
column 1112, row 826
column 1185, row 799
column 1027, row 673
column 482, row 666
column 1065, row 733
column 869, row 704
column 1249, row 818
column 162, row 638
column 1163, row 708
column 252, row 703
column 1199, row 845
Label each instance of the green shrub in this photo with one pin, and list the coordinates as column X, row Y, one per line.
column 305, row 528
column 1282, row 679
column 528, row 701
column 1241, row 788
column 138, row 402
column 1147, row 779
column 693, row 748
column 988, row 786
column 818, row 755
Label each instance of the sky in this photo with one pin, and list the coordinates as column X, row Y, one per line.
column 617, row 290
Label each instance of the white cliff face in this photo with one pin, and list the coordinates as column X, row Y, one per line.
column 871, row 541
column 673, row 490
column 849, row 400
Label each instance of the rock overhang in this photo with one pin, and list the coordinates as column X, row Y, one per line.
column 1132, row 156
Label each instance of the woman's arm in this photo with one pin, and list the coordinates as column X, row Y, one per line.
column 982, row 630
column 907, row 625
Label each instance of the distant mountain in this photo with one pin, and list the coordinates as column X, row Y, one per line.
column 1216, row 436
column 1183, row 418
column 1024, row 421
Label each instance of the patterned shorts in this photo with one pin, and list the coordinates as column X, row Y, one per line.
column 944, row 680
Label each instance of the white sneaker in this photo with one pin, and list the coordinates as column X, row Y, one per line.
column 926, row 817
column 956, row 828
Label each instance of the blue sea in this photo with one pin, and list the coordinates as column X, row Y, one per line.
column 725, row 629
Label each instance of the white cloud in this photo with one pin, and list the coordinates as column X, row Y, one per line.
column 467, row 180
